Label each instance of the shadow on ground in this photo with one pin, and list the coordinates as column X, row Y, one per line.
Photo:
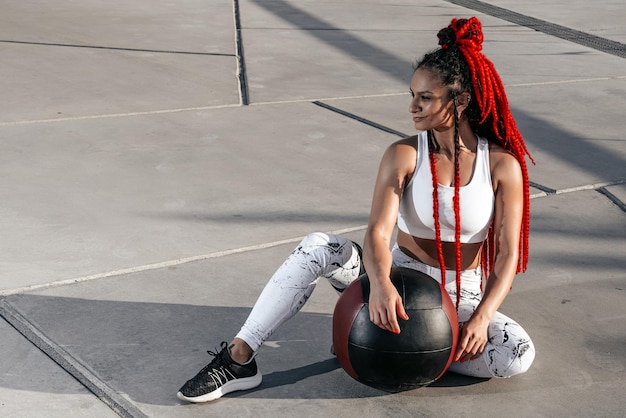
column 128, row 345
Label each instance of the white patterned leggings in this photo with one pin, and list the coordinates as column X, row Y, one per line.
column 509, row 350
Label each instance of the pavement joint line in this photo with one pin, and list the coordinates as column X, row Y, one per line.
column 275, row 102
column 545, row 189
column 361, row 119
column 327, row 99
column 612, row 198
column 601, row 187
column 165, row 264
column 242, row 77
column 70, row 364
column 119, row 115
column 580, row 80
column 593, row 186
column 188, row 109
column 114, row 48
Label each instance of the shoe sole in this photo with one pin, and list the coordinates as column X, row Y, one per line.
column 244, row 383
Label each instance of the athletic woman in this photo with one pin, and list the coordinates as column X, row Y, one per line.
column 458, row 193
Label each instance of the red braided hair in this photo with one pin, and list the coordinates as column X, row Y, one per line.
column 456, row 202
column 433, row 169
column 492, row 118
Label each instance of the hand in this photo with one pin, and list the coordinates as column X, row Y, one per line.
column 473, row 339
column 385, row 306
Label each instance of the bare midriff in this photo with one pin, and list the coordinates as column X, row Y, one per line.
column 425, row 250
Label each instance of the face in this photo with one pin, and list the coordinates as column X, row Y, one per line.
column 431, row 107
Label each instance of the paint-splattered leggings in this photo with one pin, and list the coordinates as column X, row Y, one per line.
column 509, row 350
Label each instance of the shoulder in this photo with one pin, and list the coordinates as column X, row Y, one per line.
column 504, row 165
column 410, row 142
column 402, row 149
column 400, row 159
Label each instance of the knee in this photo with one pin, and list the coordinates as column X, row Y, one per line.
column 310, row 254
column 522, row 359
column 313, row 240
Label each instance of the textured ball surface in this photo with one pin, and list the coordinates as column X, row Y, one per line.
column 416, row 357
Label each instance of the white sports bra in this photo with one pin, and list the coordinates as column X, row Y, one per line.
column 415, row 216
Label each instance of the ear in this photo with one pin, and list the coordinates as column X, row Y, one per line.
column 462, row 102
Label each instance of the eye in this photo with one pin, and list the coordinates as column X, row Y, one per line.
column 425, row 98
column 412, row 94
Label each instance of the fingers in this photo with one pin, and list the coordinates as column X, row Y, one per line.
column 385, row 319
column 469, row 347
column 393, row 322
column 460, row 348
column 385, row 306
column 400, row 310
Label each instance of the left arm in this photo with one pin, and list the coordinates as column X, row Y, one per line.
column 507, row 222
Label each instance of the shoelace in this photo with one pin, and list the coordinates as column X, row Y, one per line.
column 218, row 369
column 217, row 362
column 215, row 354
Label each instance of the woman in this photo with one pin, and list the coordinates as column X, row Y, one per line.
column 459, row 193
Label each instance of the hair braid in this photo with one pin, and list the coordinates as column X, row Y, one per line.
column 433, row 170
column 456, row 202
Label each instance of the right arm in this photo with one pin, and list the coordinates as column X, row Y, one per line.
column 396, row 168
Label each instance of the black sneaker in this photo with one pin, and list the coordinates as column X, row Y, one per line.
column 221, row 376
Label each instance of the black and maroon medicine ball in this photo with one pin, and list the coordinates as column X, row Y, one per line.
column 416, row 357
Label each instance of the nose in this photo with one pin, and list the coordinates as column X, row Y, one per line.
column 414, row 105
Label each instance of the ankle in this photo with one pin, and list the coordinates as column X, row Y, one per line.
column 240, row 351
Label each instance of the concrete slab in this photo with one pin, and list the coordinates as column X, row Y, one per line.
column 66, row 83
column 86, row 60
column 143, row 210
column 191, row 26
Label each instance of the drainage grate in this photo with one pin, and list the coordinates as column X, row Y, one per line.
column 596, row 42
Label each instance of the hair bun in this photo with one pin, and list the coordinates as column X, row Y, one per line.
column 463, row 33
column 447, row 37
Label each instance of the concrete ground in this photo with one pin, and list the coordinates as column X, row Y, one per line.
column 159, row 160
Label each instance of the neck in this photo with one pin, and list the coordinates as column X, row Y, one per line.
column 444, row 139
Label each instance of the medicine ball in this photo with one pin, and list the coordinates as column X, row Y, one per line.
column 416, row 357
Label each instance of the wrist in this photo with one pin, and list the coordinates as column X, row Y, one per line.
column 482, row 315
column 379, row 281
